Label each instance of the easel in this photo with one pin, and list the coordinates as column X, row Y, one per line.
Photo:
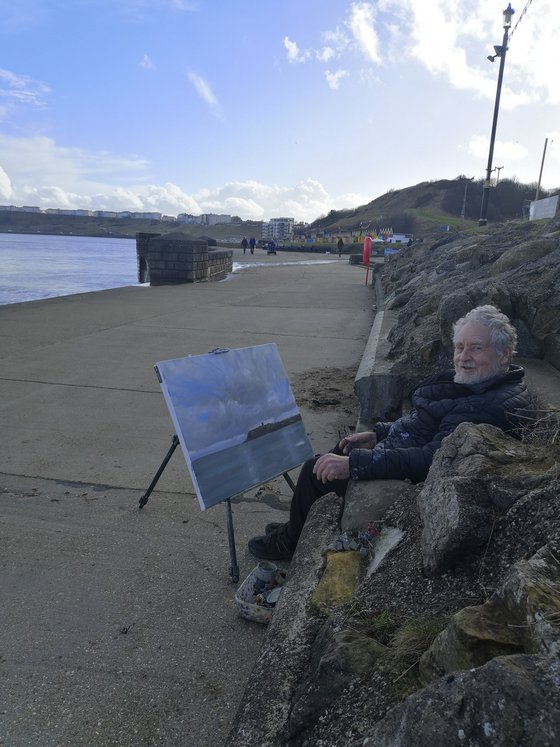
column 233, row 567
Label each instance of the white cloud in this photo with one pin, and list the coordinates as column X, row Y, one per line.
column 146, row 63
column 184, row 5
column 293, row 53
column 325, row 54
column 452, row 41
column 361, row 24
column 6, row 191
column 507, row 151
column 204, row 91
column 333, row 79
column 41, row 162
column 20, row 89
column 36, row 171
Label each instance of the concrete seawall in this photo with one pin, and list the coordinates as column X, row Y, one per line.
column 119, row 626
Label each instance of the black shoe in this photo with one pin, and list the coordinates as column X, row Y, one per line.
column 274, row 526
column 275, row 546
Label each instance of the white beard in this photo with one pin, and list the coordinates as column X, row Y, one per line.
column 462, row 375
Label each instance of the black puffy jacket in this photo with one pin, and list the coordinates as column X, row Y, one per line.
column 405, row 448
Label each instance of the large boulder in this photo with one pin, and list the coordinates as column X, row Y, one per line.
column 522, row 616
column 511, row 701
column 477, row 473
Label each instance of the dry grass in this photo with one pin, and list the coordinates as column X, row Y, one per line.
column 540, row 425
column 411, row 640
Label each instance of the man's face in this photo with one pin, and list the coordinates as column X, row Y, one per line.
column 475, row 358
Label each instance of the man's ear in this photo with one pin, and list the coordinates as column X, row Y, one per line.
column 505, row 356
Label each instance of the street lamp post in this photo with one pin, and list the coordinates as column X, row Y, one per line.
column 542, row 166
column 501, row 53
column 498, row 169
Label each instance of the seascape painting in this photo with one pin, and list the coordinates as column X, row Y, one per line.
column 236, row 419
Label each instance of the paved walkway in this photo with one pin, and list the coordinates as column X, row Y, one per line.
column 118, row 627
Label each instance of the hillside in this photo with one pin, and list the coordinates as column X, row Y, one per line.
column 425, row 206
column 418, row 209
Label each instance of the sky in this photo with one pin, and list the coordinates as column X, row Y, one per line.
column 268, row 108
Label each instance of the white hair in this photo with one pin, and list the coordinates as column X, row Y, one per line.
column 502, row 332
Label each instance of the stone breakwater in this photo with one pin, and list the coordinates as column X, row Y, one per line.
column 462, row 612
column 174, row 259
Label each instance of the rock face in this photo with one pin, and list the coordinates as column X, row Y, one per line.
column 475, row 475
column 511, row 701
column 454, row 639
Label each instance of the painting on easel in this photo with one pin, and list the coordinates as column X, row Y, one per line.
column 236, row 419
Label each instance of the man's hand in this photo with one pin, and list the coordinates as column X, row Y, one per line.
column 365, row 440
column 331, row 467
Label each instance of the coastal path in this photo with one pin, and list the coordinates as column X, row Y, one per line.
column 118, row 626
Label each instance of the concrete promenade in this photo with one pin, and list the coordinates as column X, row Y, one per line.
column 118, row 627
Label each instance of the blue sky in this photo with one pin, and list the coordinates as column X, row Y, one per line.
column 267, row 108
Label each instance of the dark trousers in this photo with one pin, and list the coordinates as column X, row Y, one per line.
column 308, row 490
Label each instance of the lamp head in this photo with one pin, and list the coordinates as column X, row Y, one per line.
column 508, row 13
column 499, row 51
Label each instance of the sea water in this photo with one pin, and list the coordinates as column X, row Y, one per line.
column 38, row 266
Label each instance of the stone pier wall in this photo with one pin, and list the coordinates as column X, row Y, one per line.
column 175, row 258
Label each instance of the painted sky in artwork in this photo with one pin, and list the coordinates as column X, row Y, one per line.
column 218, row 398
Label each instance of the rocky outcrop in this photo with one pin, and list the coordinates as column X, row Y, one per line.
column 511, row 701
column 462, row 614
column 451, row 635
column 475, row 475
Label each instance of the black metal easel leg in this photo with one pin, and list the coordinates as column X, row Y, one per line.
column 233, row 567
column 144, row 499
column 289, row 480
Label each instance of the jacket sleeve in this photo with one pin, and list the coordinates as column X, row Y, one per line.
column 413, row 462
column 382, row 430
column 383, row 463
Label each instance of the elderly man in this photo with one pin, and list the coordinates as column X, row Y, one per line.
column 482, row 387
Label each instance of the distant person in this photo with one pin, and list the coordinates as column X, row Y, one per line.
column 244, row 244
column 271, row 247
column 340, row 246
column 483, row 387
column 252, row 244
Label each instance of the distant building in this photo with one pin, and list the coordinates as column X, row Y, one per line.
column 212, row 219
column 278, row 228
column 105, row 214
column 187, row 218
column 14, row 209
column 146, row 216
column 207, row 219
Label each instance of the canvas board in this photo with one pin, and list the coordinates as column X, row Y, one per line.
column 236, row 418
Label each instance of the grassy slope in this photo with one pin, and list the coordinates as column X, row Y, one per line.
column 423, row 201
